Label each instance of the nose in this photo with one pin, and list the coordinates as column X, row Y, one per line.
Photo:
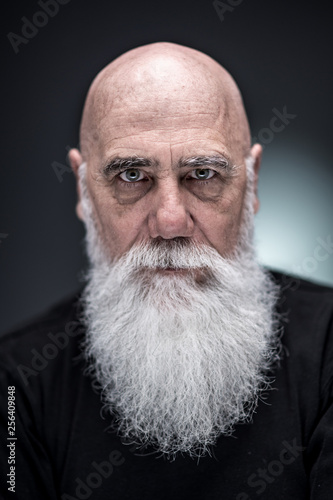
column 169, row 217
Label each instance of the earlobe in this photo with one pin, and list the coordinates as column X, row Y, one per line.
column 256, row 153
column 79, row 211
column 75, row 159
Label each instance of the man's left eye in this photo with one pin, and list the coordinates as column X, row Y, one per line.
column 202, row 174
column 132, row 175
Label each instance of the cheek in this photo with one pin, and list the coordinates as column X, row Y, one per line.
column 221, row 231
column 119, row 225
column 220, row 222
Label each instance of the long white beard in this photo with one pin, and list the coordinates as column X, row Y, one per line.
column 181, row 358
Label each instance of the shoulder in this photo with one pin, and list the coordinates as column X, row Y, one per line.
column 290, row 283
column 306, row 312
column 305, row 305
column 53, row 336
column 302, row 298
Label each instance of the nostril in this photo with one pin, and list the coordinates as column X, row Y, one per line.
column 171, row 224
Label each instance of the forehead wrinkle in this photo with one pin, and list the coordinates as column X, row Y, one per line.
column 150, row 118
column 167, row 74
column 164, row 135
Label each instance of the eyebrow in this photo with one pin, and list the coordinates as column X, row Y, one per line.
column 119, row 164
column 219, row 162
column 215, row 161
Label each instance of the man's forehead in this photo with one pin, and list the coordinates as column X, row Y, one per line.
column 166, row 92
column 162, row 116
column 152, row 118
column 165, row 137
column 164, row 140
column 151, row 93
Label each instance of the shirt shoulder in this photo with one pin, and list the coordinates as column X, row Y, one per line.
column 55, row 334
column 306, row 315
column 299, row 297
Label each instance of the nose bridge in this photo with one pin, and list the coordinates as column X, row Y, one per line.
column 169, row 215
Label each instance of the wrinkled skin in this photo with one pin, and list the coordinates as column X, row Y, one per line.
column 165, row 103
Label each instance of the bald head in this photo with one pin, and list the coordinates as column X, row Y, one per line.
column 162, row 86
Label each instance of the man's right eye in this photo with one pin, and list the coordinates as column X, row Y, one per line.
column 132, row 175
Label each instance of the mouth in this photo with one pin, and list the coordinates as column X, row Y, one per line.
column 200, row 276
column 171, row 270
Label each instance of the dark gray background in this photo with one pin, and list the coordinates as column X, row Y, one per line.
column 280, row 53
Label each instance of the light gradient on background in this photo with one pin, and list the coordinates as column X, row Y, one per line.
column 278, row 52
column 295, row 217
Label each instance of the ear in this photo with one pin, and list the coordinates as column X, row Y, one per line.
column 75, row 159
column 256, row 153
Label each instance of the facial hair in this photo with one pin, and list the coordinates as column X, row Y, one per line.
column 181, row 357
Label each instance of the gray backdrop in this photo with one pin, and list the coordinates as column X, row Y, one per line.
column 279, row 53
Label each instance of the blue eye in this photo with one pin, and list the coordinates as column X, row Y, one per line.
column 202, row 173
column 131, row 175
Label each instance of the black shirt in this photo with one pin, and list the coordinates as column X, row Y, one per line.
column 65, row 449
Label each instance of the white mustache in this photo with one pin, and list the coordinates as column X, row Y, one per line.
column 178, row 253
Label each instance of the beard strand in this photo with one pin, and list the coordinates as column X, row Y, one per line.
column 180, row 358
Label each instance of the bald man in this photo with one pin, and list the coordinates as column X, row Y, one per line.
column 183, row 369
